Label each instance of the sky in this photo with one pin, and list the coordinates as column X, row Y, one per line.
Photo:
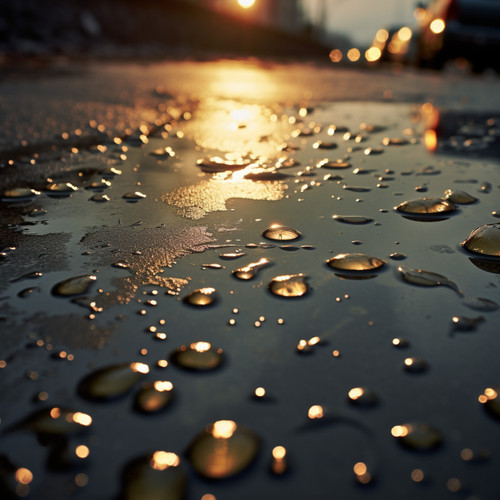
column 360, row 19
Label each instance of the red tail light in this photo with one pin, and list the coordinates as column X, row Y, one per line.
column 452, row 12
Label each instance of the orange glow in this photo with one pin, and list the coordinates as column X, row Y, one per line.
column 246, row 4
column 336, row 55
column 373, row 54
column 24, row 476
column 430, row 140
column 82, row 419
column 313, row 341
column 353, row 55
column 382, row 35
column 315, row 412
column 417, row 475
column 360, row 469
column 200, row 346
column 223, row 429
column 55, row 412
column 405, row 34
column 163, row 386
column 356, row 393
column 140, row 367
column 279, row 452
column 437, row 26
column 162, row 460
column 82, row 451
column 260, row 392
column 400, row 431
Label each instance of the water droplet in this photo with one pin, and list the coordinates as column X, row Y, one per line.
column 355, row 262
column 352, row 219
column 27, row 292
column 281, row 233
column 223, row 449
column 417, row 436
column 426, row 206
column 398, row 256
column 334, row 164
column 429, row 170
column 61, row 189
column 427, row 278
column 154, row 396
column 197, row 356
column 324, row 145
column 19, row 194
column 37, row 212
column 202, row 297
column 98, row 185
column 484, row 240
column 421, row 189
column 361, row 396
column 475, row 456
column 289, row 286
column 249, row 271
column 415, row 365
column 485, row 187
column 279, row 465
column 100, row 198
column 56, row 421
column 154, row 476
column 496, row 213
column 464, row 324
column 394, row 141
column 356, row 189
column 481, row 304
column 400, row 342
column 459, row 197
column 373, row 151
column 231, row 256
column 112, row 381
column 121, row 265
column 491, row 401
column 134, row 196
column 74, row 286
column 29, row 276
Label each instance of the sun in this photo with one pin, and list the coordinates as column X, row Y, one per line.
column 246, row 4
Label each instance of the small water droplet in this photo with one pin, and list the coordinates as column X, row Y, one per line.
column 202, row 297
column 154, row 396
column 496, row 213
column 212, row 266
column 400, row 342
column 278, row 232
column 417, row 436
column 491, row 401
column 154, row 476
column 421, row 189
column 398, row 256
column 459, row 197
column 485, row 187
column 289, row 285
column 341, row 164
column 465, row 324
column 355, row 262
column 74, row 286
column 223, row 449
column 361, row 396
column 361, row 473
column 100, row 198
column 217, row 164
column 356, row 189
column 56, row 421
column 134, row 196
column 197, row 356
column 121, row 265
column 352, row 219
column 249, row 271
column 481, row 304
column 27, row 292
column 19, row 194
column 484, row 240
column 112, row 381
column 426, row 206
column 373, row 151
column 232, row 255
column 324, row 145
column 427, row 278
column 98, row 185
column 415, row 365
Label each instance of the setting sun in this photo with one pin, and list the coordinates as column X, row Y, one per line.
column 246, row 4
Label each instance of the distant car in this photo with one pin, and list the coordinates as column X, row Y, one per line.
column 450, row 29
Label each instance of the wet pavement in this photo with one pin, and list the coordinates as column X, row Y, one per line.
column 229, row 280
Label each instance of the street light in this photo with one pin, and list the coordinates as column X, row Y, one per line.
column 246, row 4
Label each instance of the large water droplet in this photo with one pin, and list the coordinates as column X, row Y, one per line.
column 56, row 421
column 355, row 262
column 491, row 401
column 112, row 381
column 356, row 189
column 74, row 286
column 156, row 476
column 361, row 396
column 426, row 206
column 278, row 232
column 223, row 450
column 289, row 285
column 154, row 396
column 484, row 240
column 427, row 278
column 202, row 297
column 352, row 219
column 19, row 194
column 417, row 436
column 250, row 271
column 459, row 197
column 197, row 356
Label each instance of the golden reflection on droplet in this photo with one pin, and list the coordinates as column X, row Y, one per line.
column 417, row 436
column 277, row 232
column 23, row 475
column 279, row 463
column 417, row 475
column 82, row 451
column 289, row 286
column 197, row 356
column 260, row 392
column 162, row 363
column 491, row 401
column 355, row 262
column 202, row 297
column 162, row 460
column 82, row 419
column 315, row 412
column 139, row 367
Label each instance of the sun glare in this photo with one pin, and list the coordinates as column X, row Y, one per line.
column 246, row 4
